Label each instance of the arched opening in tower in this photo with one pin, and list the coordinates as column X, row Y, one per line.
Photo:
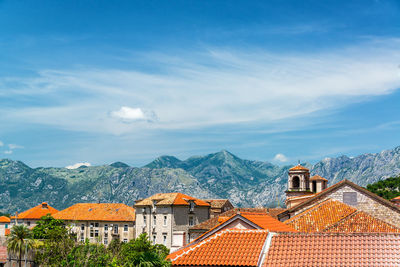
column 296, row 182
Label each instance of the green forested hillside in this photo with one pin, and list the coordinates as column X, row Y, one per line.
column 388, row 188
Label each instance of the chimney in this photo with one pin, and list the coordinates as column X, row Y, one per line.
column 44, row 205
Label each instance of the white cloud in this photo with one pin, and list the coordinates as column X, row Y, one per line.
column 14, row 146
column 211, row 88
column 1, row 143
column 129, row 114
column 8, row 152
column 280, row 157
column 77, row 165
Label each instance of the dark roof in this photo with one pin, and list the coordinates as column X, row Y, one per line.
column 217, row 203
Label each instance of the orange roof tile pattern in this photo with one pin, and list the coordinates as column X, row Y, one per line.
column 110, row 212
column 37, row 212
column 169, row 199
column 321, row 216
column 396, row 199
column 216, row 203
column 232, row 247
column 4, row 219
column 318, row 178
column 298, row 168
column 267, row 222
column 323, row 249
column 362, row 222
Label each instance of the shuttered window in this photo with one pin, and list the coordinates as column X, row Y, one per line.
column 350, row 198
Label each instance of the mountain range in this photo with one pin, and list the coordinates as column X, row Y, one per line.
column 217, row 175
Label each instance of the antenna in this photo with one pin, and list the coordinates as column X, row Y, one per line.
column 299, row 162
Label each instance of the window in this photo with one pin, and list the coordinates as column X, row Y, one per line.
column 116, row 229
column 91, row 233
column 296, row 182
column 91, row 225
column 96, row 233
column 144, row 220
column 28, row 223
column 164, row 239
column 6, row 226
column 106, row 234
column 105, row 240
column 82, row 227
column 165, row 220
column 314, row 186
column 191, row 221
column 155, row 220
column 96, row 225
column 105, row 227
column 82, row 238
column 154, row 239
column 125, row 228
column 350, row 198
column 125, row 240
column 191, row 206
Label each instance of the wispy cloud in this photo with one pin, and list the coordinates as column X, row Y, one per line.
column 215, row 87
column 1, row 143
column 281, row 158
column 14, row 146
column 77, row 165
column 8, row 152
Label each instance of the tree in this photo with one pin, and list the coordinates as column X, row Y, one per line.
column 388, row 188
column 48, row 227
column 19, row 241
column 141, row 252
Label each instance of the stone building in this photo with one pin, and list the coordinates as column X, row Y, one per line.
column 166, row 217
column 31, row 216
column 4, row 226
column 100, row 222
column 352, row 195
column 301, row 187
column 218, row 206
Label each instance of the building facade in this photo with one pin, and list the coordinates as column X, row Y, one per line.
column 218, row 206
column 100, row 222
column 166, row 218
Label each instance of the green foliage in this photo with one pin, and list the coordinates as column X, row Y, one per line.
column 59, row 248
column 19, row 241
column 49, row 228
column 388, row 188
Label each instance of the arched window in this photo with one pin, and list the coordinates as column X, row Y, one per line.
column 295, row 182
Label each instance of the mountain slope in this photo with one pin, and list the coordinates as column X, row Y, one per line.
column 217, row 175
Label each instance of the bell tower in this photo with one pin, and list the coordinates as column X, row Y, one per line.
column 298, row 185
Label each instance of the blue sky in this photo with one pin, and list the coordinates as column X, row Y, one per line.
column 279, row 81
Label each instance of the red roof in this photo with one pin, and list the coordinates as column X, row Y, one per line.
column 396, row 199
column 97, row 212
column 318, row 178
column 37, row 212
column 267, row 222
column 322, row 249
column 4, row 219
column 298, row 168
column 231, row 247
column 3, row 254
column 169, row 199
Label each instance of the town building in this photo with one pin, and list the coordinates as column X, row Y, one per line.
column 203, row 227
column 239, row 247
column 31, row 216
column 166, row 217
column 218, row 206
column 335, row 216
column 354, row 196
column 100, row 222
column 396, row 201
column 4, row 226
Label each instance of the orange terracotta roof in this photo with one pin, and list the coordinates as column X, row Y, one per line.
column 4, row 219
column 37, row 212
column 396, row 199
column 318, row 178
column 267, row 222
column 211, row 223
column 216, row 203
column 321, row 216
column 97, row 212
column 3, row 254
column 333, row 249
column 231, row 247
column 362, row 222
column 298, row 168
column 171, row 199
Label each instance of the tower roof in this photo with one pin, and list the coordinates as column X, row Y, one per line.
column 318, row 178
column 299, row 168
